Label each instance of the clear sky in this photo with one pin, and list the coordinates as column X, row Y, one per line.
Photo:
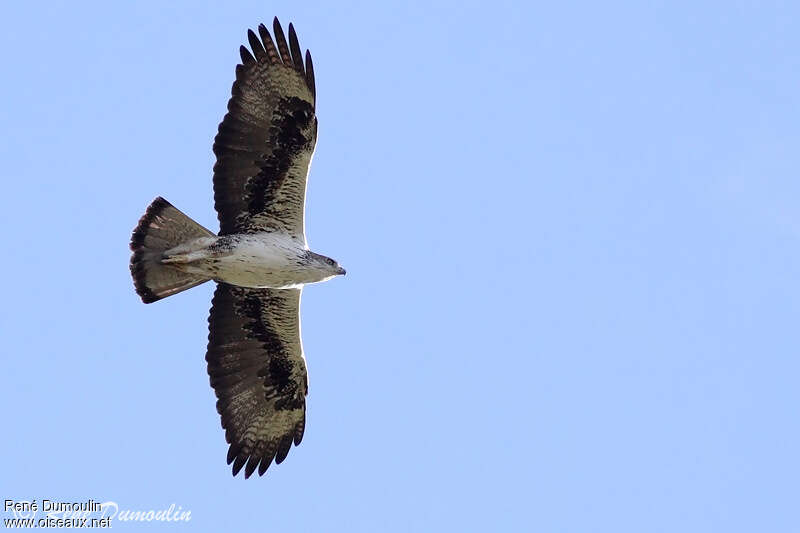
column 572, row 239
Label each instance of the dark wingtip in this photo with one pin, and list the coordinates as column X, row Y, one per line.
column 283, row 449
column 262, row 467
column 233, row 451
column 238, row 463
column 299, row 430
column 310, row 75
column 277, row 29
column 247, row 57
column 279, row 51
column 252, row 463
column 269, row 45
column 258, row 48
column 280, row 39
column 294, row 48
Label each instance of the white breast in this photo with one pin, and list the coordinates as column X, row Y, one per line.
column 260, row 260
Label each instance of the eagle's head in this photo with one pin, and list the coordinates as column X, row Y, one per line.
column 325, row 267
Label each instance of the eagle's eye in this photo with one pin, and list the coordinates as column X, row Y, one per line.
column 330, row 261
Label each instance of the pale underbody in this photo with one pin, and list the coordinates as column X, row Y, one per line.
column 258, row 260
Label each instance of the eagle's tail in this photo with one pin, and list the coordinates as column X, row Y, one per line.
column 162, row 227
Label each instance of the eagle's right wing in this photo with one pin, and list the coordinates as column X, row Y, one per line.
column 266, row 140
column 258, row 372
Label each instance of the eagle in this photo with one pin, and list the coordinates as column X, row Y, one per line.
column 260, row 259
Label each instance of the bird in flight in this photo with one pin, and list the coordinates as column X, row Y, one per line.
column 260, row 259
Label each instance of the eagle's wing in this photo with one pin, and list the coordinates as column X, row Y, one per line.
column 256, row 365
column 266, row 140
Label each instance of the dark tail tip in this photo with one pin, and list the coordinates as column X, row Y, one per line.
column 138, row 261
column 161, row 227
column 140, row 232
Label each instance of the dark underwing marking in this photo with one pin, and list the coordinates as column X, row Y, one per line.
column 278, row 371
column 287, row 132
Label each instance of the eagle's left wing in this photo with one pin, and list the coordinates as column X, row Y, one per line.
column 266, row 140
column 258, row 372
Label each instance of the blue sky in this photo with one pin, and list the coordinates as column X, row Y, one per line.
column 572, row 241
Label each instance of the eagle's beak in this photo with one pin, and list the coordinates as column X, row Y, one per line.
column 341, row 271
